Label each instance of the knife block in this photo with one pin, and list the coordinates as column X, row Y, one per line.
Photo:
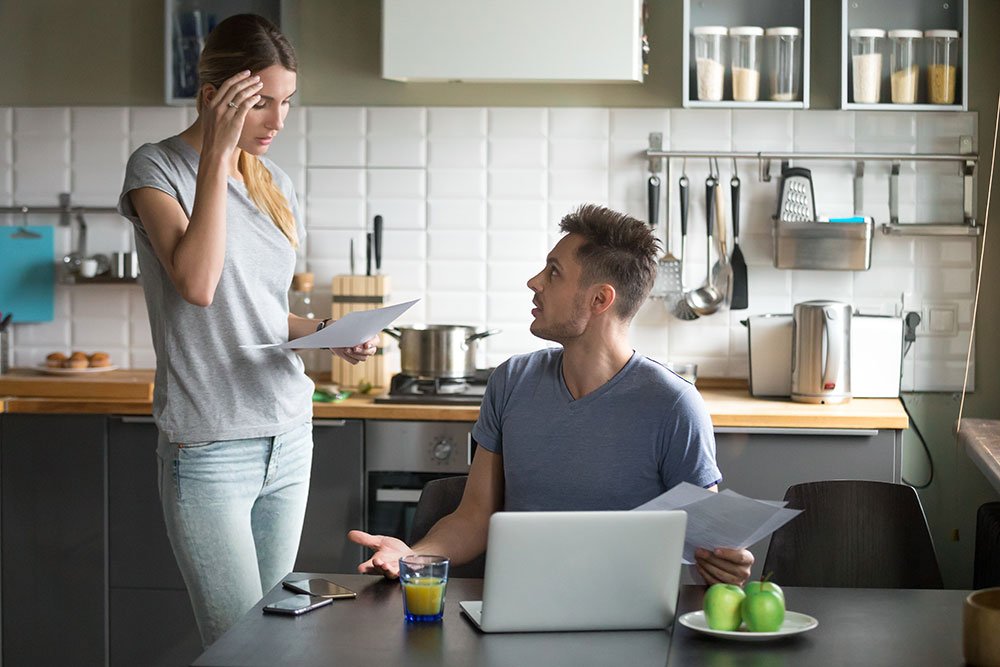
column 353, row 293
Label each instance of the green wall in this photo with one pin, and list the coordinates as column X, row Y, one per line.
column 110, row 53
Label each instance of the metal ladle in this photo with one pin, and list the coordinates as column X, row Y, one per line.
column 706, row 299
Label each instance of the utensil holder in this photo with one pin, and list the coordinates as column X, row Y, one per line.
column 353, row 293
column 835, row 246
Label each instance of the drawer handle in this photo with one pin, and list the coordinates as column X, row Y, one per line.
column 397, row 496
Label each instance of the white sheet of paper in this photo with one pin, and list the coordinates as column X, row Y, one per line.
column 725, row 519
column 352, row 329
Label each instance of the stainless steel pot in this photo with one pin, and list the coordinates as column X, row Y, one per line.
column 433, row 351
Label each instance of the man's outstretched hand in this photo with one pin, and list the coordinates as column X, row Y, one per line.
column 388, row 551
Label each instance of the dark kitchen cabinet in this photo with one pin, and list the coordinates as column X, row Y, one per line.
column 54, row 539
column 335, row 498
column 151, row 621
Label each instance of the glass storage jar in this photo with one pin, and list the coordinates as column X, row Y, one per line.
column 942, row 65
column 709, row 45
column 784, row 62
column 866, row 64
column 904, row 72
column 745, row 45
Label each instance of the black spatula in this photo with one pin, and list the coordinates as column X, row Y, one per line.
column 739, row 299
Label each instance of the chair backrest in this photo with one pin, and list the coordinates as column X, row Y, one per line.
column 854, row 534
column 439, row 498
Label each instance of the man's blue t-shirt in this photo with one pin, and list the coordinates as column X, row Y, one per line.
column 640, row 434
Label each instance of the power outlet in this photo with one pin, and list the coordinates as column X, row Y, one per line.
column 938, row 319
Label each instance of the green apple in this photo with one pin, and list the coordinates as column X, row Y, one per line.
column 755, row 586
column 723, row 603
column 763, row 611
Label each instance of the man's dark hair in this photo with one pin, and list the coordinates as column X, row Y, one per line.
column 617, row 249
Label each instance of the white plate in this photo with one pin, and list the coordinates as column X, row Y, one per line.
column 794, row 624
column 76, row 371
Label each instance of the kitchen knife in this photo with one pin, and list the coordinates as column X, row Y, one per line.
column 368, row 253
column 378, row 243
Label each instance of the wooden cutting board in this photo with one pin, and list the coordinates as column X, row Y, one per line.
column 127, row 384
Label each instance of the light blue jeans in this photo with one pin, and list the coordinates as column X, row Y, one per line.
column 234, row 511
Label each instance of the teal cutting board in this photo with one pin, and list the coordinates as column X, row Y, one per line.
column 27, row 274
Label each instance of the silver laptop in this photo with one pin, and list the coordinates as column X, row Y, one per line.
column 552, row 571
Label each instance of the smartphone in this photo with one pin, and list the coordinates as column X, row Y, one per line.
column 297, row 604
column 323, row 588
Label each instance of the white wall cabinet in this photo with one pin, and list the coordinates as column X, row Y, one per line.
column 583, row 41
column 187, row 24
column 920, row 15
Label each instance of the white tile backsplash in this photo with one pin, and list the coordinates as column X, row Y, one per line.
column 472, row 197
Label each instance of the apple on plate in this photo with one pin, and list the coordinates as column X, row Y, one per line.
column 723, row 605
column 764, row 607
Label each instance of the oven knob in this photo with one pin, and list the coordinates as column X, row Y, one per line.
column 442, row 450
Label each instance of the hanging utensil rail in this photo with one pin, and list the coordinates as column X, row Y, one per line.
column 966, row 158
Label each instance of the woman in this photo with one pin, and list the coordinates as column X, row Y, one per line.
column 216, row 227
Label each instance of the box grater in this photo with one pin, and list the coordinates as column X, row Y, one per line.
column 797, row 203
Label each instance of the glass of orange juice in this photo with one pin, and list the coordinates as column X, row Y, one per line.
column 423, row 580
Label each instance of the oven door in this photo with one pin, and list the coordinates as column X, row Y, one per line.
column 400, row 458
column 392, row 500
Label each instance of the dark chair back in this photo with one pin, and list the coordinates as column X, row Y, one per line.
column 439, row 498
column 854, row 534
column 986, row 564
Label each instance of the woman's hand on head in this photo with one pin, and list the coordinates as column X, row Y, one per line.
column 225, row 109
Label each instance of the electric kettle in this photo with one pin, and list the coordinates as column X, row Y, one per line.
column 821, row 352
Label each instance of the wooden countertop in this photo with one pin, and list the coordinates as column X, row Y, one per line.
column 728, row 402
column 981, row 438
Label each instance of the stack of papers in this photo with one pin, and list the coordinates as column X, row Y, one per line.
column 724, row 519
column 352, row 329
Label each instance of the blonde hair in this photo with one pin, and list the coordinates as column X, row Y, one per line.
column 241, row 42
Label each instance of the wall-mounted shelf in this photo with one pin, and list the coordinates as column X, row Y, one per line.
column 187, row 24
column 966, row 160
column 730, row 13
column 920, row 15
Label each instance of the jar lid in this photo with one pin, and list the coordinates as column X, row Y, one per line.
column 867, row 32
column 746, row 31
column 710, row 30
column 782, row 31
column 941, row 33
column 905, row 34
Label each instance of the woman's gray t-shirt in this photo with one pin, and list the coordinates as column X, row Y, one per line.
column 208, row 387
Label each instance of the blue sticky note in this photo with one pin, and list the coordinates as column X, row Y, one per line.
column 27, row 273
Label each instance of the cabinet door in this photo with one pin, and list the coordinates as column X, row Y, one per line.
column 335, row 498
column 153, row 628
column 140, row 553
column 52, row 531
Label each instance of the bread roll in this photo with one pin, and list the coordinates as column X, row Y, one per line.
column 77, row 360
column 55, row 360
column 100, row 360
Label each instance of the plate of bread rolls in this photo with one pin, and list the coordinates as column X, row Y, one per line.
column 77, row 363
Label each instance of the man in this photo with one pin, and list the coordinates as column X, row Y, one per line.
column 589, row 426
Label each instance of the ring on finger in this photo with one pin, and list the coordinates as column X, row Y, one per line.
column 234, row 105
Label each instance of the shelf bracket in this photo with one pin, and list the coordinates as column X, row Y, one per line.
column 894, row 194
column 859, row 187
column 655, row 144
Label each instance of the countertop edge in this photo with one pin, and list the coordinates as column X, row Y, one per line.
column 727, row 407
column 981, row 438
